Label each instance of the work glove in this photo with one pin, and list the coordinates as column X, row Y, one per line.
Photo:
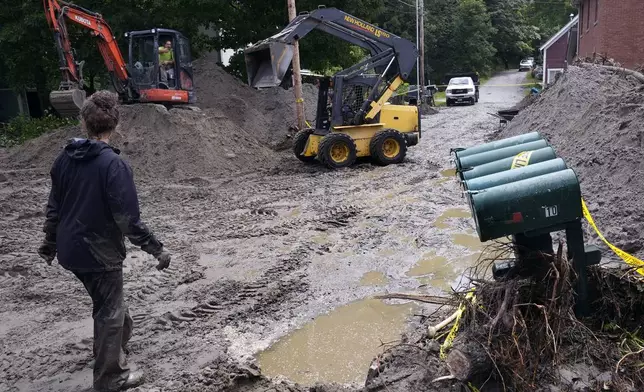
column 47, row 251
column 164, row 260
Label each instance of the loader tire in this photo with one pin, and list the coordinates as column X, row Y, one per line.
column 337, row 150
column 299, row 144
column 388, row 147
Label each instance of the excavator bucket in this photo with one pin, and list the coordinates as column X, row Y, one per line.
column 267, row 63
column 67, row 103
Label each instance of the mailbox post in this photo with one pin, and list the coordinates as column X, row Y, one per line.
column 518, row 187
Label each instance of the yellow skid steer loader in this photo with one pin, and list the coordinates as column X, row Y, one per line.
column 358, row 122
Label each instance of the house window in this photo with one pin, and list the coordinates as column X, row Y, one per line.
column 554, row 74
column 596, row 11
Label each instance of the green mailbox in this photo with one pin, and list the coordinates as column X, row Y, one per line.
column 536, row 156
column 494, row 155
column 527, row 205
column 518, row 187
column 511, row 141
column 512, row 175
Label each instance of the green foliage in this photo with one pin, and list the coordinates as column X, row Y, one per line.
column 514, row 37
column 458, row 37
column 548, row 17
column 23, row 128
column 470, row 35
column 403, row 89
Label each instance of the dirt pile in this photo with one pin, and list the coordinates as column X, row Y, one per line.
column 593, row 119
column 264, row 114
column 235, row 130
column 159, row 143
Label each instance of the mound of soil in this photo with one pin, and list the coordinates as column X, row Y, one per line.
column 162, row 144
column 593, row 119
column 235, row 130
column 265, row 114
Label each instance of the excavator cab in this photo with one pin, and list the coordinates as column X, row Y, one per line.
column 149, row 74
column 150, row 69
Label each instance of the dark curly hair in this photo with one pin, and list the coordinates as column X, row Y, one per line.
column 100, row 113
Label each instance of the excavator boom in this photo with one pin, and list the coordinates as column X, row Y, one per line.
column 69, row 98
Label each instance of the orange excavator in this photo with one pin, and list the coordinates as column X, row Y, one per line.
column 158, row 70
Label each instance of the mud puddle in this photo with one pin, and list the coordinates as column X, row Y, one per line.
column 451, row 213
column 448, row 172
column 373, row 278
column 336, row 347
column 441, row 272
column 469, row 241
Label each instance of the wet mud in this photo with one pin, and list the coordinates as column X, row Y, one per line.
column 263, row 261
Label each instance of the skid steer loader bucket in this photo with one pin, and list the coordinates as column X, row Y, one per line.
column 67, row 103
column 267, row 63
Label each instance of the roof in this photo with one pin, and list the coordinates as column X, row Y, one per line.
column 560, row 33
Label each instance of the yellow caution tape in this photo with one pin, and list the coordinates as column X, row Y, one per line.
column 472, row 387
column 449, row 340
column 628, row 258
column 510, row 85
column 521, row 159
column 299, row 100
column 308, row 124
column 497, row 85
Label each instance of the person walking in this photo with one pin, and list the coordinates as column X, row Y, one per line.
column 92, row 206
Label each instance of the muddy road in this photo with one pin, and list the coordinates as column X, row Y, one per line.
column 255, row 257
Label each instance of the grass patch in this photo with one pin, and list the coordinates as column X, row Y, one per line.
column 534, row 82
column 22, row 128
column 439, row 98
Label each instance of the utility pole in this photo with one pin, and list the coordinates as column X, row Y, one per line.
column 297, row 77
column 418, row 90
column 421, row 48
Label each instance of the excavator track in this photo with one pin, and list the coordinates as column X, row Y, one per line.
column 67, row 103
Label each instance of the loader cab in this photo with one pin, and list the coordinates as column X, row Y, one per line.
column 144, row 64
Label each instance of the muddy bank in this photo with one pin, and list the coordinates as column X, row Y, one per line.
column 593, row 119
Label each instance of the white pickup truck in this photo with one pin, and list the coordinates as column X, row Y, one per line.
column 461, row 90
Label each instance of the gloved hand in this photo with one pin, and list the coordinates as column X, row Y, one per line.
column 47, row 251
column 164, row 260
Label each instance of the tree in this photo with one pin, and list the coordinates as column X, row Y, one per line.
column 548, row 17
column 28, row 53
column 514, row 36
column 458, row 37
column 475, row 32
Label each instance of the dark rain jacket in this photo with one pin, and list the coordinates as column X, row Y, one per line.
column 92, row 205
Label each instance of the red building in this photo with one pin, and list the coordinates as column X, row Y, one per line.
column 612, row 28
column 559, row 50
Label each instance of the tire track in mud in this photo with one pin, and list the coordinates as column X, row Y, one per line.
column 234, row 301
column 335, row 216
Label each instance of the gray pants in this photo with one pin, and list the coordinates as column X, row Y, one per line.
column 164, row 73
column 112, row 328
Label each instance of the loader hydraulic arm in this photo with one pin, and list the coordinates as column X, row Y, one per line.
column 339, row 24
column 57, row 12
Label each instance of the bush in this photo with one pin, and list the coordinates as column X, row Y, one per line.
column 23, row 128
